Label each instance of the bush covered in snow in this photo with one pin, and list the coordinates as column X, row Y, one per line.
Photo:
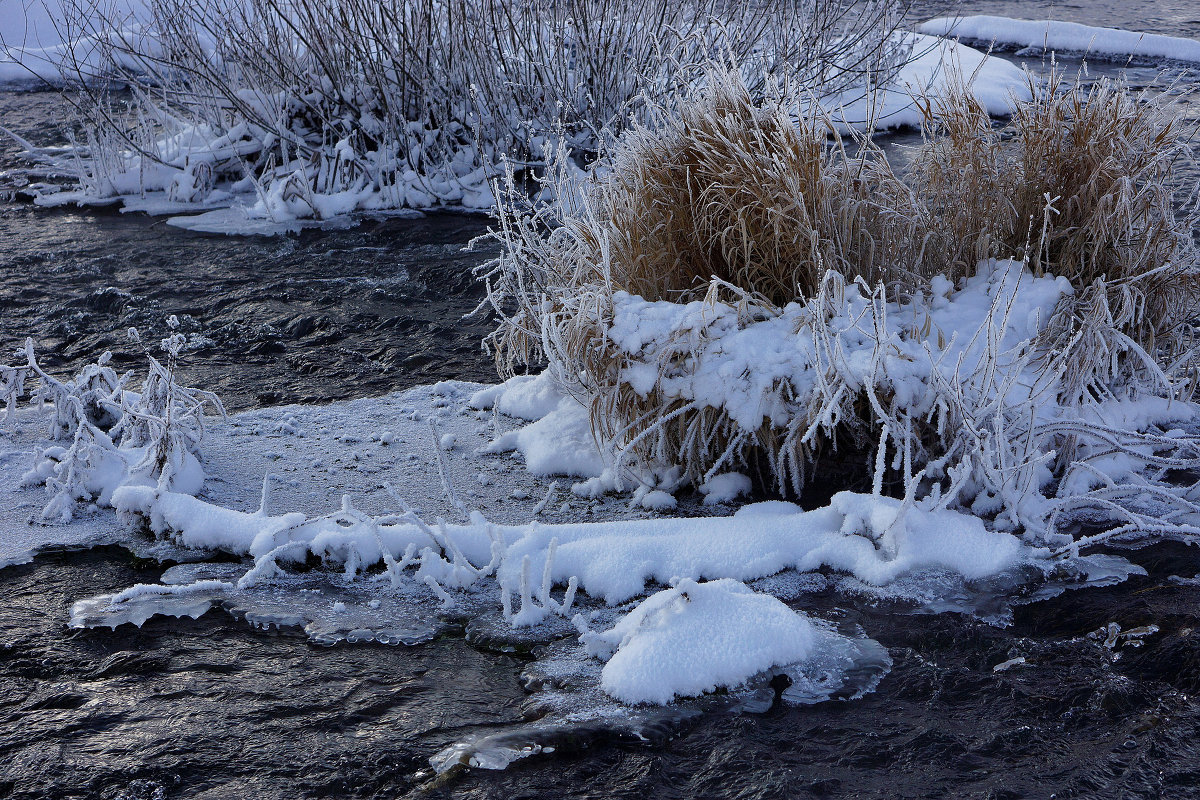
column 733, row 291
column 110, row 435
column 326, row 107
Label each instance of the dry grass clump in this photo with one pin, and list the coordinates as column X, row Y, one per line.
column 727, row 191
column 1079, row 183
column 717, row 192
column 737, row 204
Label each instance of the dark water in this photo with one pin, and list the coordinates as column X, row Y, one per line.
column 213, row 709
column 210, row 708
column 311, row 318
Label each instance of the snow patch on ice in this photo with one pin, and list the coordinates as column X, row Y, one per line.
column 1065, row 37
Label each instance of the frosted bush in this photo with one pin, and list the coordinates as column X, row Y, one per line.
column 113, row 436
column 321, row 108
column 732, row 292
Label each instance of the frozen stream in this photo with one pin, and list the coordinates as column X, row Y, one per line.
column 213, row 708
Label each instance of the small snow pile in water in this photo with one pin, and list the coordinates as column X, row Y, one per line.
column 1065, row 37
column 696, row 638
column 933, row 66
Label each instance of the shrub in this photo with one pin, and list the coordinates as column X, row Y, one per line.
column 1083, row 182
column 397, row 103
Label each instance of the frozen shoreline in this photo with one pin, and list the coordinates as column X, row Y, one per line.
column 317, row 453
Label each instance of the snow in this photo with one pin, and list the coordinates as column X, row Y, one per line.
column 725, row 488
column 736, row 371
column 934, row 64
column 696, row 638
column 1065, row 37
column 559, row 443
column 34, row 40
column 616, row 560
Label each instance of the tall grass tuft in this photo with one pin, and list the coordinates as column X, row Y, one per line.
column 1082, row 182
column 730, row 202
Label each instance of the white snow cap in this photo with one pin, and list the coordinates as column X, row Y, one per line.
column 1066, row 37
column 698, row 637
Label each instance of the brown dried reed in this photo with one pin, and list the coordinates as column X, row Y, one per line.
column 724, row 198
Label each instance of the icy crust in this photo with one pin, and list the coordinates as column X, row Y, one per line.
column 326, row 611
column 1065, row 37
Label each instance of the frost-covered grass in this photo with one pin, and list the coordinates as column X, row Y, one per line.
column 733, row 293
column 314, row 110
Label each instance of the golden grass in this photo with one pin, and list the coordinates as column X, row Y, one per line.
column 723, row 198
column 727, row 190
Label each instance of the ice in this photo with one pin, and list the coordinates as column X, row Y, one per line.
column 327, row 612
column 993, row 599
column 1009, row 664
column 139, row 603
column 236, row 221
column 1065, row 37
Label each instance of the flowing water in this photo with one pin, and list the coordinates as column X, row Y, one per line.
column 211, row 708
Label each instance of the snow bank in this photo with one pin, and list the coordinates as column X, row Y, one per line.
column 1064, row 37
column 696, row 638
column 876, row 539
column 934, row 64
column 859, row 534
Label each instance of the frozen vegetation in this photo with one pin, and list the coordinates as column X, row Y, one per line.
column 394, row 106
column 992, row 353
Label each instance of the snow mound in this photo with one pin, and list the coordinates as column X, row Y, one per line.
column 36, row 40
column 872, row 538
column 725, row 488
column 995, row 84
column 698, row 637
column 1068, row 37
